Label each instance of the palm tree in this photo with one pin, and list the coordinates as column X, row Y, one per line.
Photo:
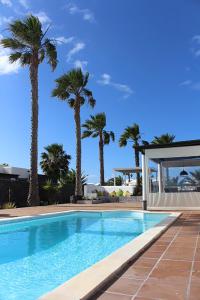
column 71, row 87
column 55, row 162
column 163, row 139
column 132, row 133
column 70, row 178
column 95, row 127
column 30, row 46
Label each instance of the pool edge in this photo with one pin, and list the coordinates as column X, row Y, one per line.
column 88, row 282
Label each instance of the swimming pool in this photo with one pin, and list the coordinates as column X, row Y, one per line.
column 38, row 254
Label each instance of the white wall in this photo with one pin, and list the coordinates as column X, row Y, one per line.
column 89, row 188
column 171, row 201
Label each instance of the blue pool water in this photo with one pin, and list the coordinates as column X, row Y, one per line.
column 38, row 254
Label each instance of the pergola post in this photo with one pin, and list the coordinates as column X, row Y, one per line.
column 159, row 178
column 144, row 182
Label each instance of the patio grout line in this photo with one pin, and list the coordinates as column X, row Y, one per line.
column 157, row 262
column 192, row 266
column 118, row 293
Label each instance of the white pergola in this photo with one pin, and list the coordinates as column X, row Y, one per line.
column 128, row 172
column 176, row 155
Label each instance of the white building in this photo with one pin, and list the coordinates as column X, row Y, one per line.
column 183, row 192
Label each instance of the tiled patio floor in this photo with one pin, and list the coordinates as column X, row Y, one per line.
column 169, row 269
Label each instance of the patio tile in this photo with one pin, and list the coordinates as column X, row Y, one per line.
column 156, row 289
column 177, row 253
column 169, row 276
column 197, row 255
column 135, row 272
column 152, row 254
column 109, row 296
column 174, row 265
column 194, row 291
column 196, row 266
column 144, row 298
column 183, row 244
column 125, row 286
column 158, row 248
column 145, row 262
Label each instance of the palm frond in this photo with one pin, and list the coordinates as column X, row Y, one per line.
column 92, row 102
column 12, row 43
column 13, row 57
column 25, row 59
column 86, row 133
column 60, row 93
column 51, row 53
column 71, row 102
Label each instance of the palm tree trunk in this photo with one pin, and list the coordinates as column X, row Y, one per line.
column 78, row 185
column 137, row 164
column 101, row 159
column 33, row 196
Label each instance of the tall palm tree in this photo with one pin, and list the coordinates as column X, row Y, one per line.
column 163, row 139
column 132, row 134
column 95, row 127
column 30, row 46
column 55, row 162
column 71, row 87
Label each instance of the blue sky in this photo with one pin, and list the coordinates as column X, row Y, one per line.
column 144, row 61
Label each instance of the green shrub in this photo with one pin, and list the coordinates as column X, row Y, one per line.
column 113, row 194
column 127, row 194
column 120, row 193
column 8, row 205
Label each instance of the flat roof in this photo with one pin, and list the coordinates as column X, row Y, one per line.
column 171, row 145
column 131, row 170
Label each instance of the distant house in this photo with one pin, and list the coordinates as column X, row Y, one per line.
column 14, row 173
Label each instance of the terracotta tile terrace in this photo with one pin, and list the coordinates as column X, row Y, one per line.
column 169, row 269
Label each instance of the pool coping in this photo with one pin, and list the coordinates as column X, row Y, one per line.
column 89, row 281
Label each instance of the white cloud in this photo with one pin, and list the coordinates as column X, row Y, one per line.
column 186, row 82
column 86, row 14
column 192, row 85
column 77, row 47
column 5, row 66
column 107, row 80
column 81, row 64
column 196, row 45
column 5, row 20
column 43, row 17
column 24, row 3
column 6, row 2
column 63, row 40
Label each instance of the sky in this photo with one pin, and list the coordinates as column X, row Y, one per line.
column 144, row 63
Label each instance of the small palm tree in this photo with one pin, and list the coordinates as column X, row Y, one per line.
column 132, row 134
column 55, row 162
column 30, row 46
column 95, row 127
column 163, row 139
column 71, row 87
